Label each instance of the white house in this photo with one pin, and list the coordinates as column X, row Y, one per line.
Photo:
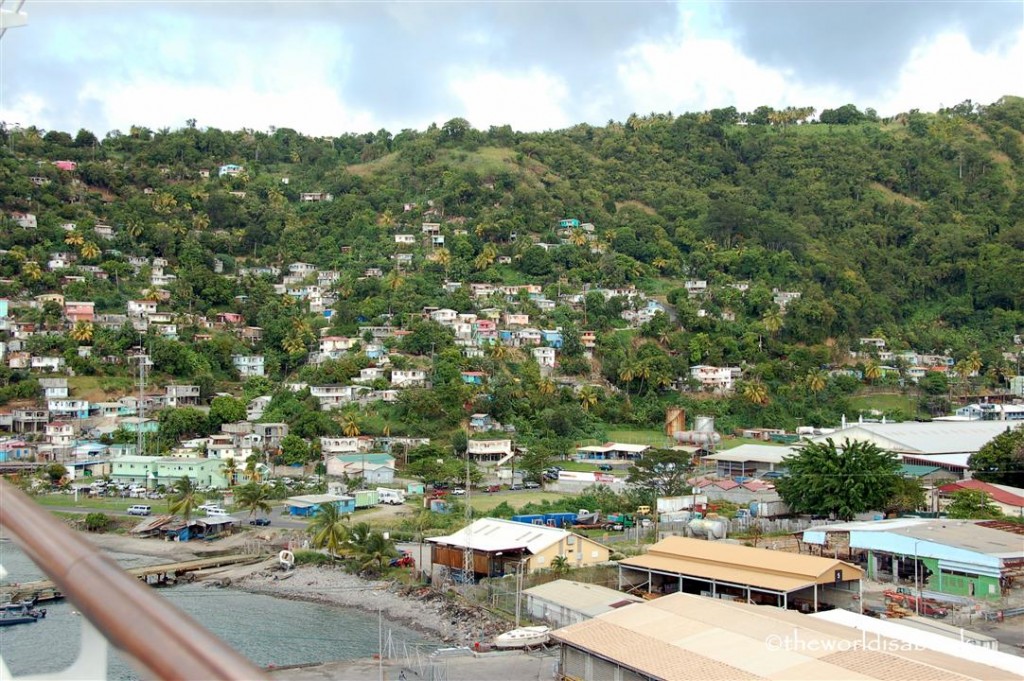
column 489, row 450
column 717, row 379
column 545, row 356
column 413, row 377
column 248, row 365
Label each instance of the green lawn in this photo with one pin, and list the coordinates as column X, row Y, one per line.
column 481, row 501
column 730, row 442
column 884, row 402
column 655, row 438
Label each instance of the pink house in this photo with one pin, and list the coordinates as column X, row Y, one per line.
column 79, row 311
column 65, row 165
column 230, row 318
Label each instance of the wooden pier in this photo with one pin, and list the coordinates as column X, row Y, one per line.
column 166, row 573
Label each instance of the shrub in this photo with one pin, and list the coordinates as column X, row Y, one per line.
column 97, row 522
column 313, row 558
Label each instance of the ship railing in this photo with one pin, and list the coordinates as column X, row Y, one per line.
column 117, row 609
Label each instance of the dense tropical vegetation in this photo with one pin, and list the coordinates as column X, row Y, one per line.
column 908, row 229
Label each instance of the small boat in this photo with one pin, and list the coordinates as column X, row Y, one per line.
column 523, row 637
column 20, row 615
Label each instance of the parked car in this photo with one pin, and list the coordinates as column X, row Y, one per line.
column 530, row 484
column 605, row 467
column 458, row 491
column 515, row 487
column 139, row 509
column 493, row 488
column 261, row 522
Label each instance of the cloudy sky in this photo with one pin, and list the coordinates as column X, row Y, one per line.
column 335, row 67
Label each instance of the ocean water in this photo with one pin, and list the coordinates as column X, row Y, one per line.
column 265, row 629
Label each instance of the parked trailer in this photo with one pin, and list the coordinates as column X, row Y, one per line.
column 365, row 498
column 769, row 509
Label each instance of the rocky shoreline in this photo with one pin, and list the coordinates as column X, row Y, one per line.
column 449, row 619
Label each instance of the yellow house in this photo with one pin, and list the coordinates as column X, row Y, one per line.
column 500, row 547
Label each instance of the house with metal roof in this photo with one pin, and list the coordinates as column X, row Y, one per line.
column 1009, row 499
column 564, row 602
column 735, row 572
column 612, row 452
column 749, row 460
column 682, row 636
column 309, row 504
column 503, row 547
column 976, row 559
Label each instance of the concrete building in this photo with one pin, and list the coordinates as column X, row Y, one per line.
column 502, row 547
column 748, row 460
column 977, row 559
column 698, row 639
column 489, row 450
column 735, row 572
column 564, row 602
column 611, row 452
column 1009, row 499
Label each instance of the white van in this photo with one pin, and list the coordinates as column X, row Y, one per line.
column 139, row 509
column 216, row 513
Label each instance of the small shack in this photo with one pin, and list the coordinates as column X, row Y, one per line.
column 309, row 505
column 198, row 528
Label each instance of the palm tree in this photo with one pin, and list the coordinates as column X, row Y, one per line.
column 660, row 263
column 578, row 237
column 82, row 332
column 329, row 531
column 872, row 372
column 89, row 250
column 74, row 239
column 443, row 257
column 560, row 565
column 255, row 497
column 374, row 552
column 546, row 387
column 184, row 498
column 252, row 471
column 973, row 363
column 486, row 257
column 200, row 221
column 772, row 321
column 230, row 470
column 589, row 396
column 816, row 381
column 755, row 392
column 293, row 344
column 349, row 426
column 32, row 270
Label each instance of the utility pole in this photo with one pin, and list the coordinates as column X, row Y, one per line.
column 468, row 566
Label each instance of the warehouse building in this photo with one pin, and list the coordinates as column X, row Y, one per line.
column 564, row 602
column 980, row 559
column 734, row 572
column 687, row 637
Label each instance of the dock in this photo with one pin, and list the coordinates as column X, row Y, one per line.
column 166, row 573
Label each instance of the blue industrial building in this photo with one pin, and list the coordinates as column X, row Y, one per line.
column 309, row 504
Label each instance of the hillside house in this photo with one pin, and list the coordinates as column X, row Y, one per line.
column 408, row 378
column 315, row 197
column 716, row 379
column 182, row 395
column 54, row 388
column 473, row 377
column 83, row 311
column 230, row 170
column 545, row 356
column 405, row 239
column 257, row 405
column 68, row 408
column 248, row 365
column 431, row 228
column 24, row 220
column 489, row 450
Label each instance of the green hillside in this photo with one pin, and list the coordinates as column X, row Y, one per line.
column 908, row 229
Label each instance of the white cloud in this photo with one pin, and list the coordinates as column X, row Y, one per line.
column 696, row 73
column 531, row 100
column 946, row 70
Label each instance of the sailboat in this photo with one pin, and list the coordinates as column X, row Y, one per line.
column 523, row 637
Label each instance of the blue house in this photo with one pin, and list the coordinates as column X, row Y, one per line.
column 309, row 504
column 568, row 223
column 552, row 339
column 473, row 377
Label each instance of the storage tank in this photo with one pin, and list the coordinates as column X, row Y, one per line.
column 703, row 432
column 708, row 528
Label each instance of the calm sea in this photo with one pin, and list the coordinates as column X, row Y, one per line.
column 266, row 630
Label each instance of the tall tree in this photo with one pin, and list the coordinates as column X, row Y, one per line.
column 973, row 504
column 184, row 498
column 841, row 481
column 329, row 530
column 1001, row 460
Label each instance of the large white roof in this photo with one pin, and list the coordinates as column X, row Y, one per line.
column 759, row 453
column 914, row 437
column 589, row 599
column 494, row 534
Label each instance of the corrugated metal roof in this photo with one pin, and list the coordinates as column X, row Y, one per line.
column 693, row 638
column 589, row 599
column 758, row 453
column 494, row 534
column 738, row 575
column 934, row 437
column 776, row 570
